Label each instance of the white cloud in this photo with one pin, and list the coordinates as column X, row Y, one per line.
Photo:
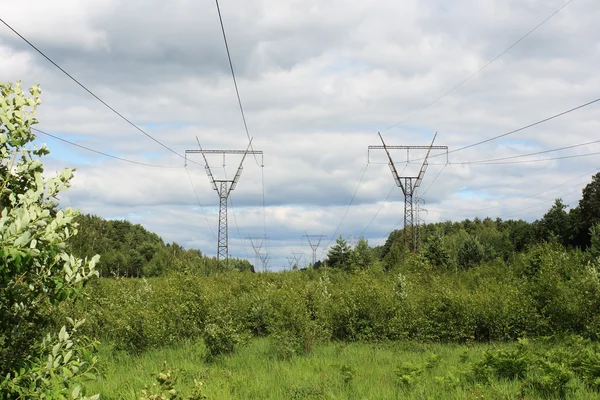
column 317, row 80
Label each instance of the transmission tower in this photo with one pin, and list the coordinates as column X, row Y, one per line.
column 223, row 187
column 257, row 243
column 313, row 246
column 290, row 260
column 265, row 258
column 297, row 258
column 409, row 185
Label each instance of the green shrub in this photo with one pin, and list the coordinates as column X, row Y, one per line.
column 221, row 338
column 36, row 273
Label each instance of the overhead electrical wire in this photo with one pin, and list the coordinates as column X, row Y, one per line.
column 510, row 132
column 527, row 155
column 382, row 204
column 200, row 203
column 480, row 69
column 524, row 127
column 90, row 92
column 102, row 153
column 493, row 161
column 262, row 173
column 554, row 197
column 347, row 208
column 235, row 218
column 520, row 200
column 532, row 161
column 237, row 91
column 237, row 228
column 378, row 211
column 434, row 179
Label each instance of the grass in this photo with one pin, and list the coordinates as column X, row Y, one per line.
column 331, row 371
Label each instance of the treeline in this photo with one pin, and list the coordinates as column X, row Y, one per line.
column 129, row 250
column 468, row 243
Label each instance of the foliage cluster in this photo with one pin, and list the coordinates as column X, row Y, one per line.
column 129, row 250
column 542, row 291
column 36, row 272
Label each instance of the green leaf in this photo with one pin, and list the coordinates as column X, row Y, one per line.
column 68, row 356
column 63, row 335
column 76, row 391
column 55, row 349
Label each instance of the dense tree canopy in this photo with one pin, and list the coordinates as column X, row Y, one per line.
column 129, row 250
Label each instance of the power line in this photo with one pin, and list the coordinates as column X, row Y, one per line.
column 262, row 171
column 544, row 201
column 511, row 132
column 348, row 208
column 382, row 204
column 379, row 210
column 89, row 91
column 538, row 160
column 524, row 127
column 520, row 200
column 237, row 92
column 199, row 203
column 235, row 219
column 434, row 179
column 237, row 228
column 102, row 153
column 529, row 154
column 480, row 69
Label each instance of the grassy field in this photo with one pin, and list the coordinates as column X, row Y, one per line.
column 403, row 370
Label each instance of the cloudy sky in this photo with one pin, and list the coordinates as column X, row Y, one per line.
column 318, row 80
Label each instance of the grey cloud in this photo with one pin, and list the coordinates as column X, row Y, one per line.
column 317, row 79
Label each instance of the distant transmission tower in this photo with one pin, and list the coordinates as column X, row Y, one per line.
column 314, row 245
column 265, row 258
column 409, row 185
column 223, row 187
column 257, row 243
column 290, row 260
column 298, row 258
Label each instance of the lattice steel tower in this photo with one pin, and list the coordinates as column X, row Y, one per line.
column 314, row 245
column 409, row 185
column 224, row 187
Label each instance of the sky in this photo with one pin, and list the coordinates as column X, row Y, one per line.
column 317, row 80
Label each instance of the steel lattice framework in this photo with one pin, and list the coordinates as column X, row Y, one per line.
column 409, row 185
column 314, row 244
column 223, row 187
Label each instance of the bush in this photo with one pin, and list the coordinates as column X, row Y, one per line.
column 36, row 273
column 220, row 338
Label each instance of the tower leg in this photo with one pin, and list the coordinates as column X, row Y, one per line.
column 409, row 217
column 223, row 251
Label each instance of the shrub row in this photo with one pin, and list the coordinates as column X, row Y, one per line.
column 542, row 292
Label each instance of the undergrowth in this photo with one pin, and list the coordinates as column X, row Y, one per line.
column 548, row 368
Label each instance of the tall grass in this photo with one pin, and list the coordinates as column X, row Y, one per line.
column 339, row 371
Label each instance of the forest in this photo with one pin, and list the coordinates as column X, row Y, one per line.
column 93, row 308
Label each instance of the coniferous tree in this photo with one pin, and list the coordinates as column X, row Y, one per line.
column 339, row 254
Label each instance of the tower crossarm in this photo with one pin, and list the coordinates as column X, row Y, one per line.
column 238, row 173
column 423, row 166
column 392, row 166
